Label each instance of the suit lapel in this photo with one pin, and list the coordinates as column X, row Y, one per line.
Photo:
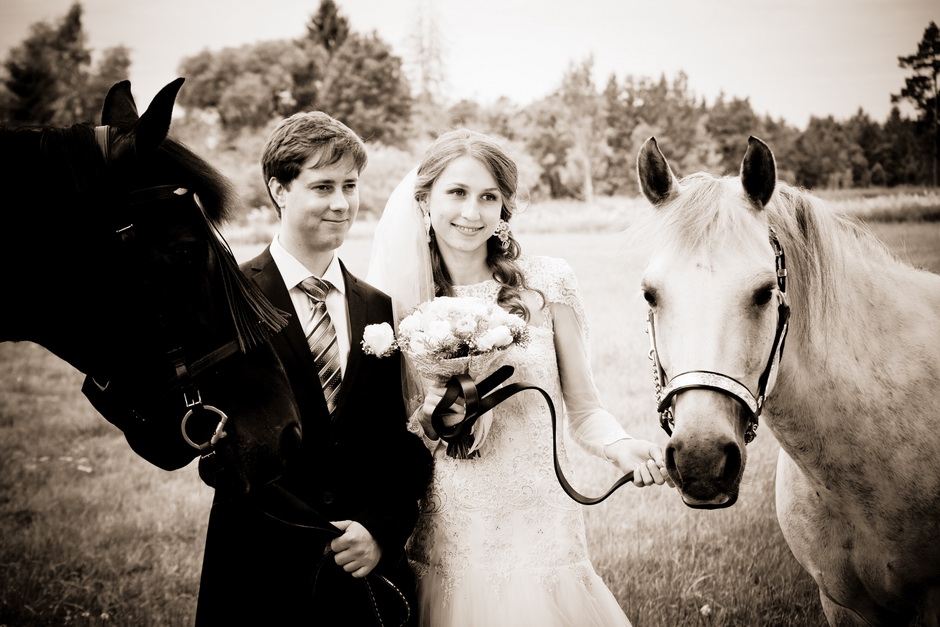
column 291, row 343
column 357, row 310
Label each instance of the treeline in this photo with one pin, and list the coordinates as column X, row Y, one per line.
column 577, row 142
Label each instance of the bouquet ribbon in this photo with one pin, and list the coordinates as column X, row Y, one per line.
column 478, row 400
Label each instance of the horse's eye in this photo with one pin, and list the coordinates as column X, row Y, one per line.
column 185, row 253
column 763, row 296
column 650, row 297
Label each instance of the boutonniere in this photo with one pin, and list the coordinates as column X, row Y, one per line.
column 379, row 340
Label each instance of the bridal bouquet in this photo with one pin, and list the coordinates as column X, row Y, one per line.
column 448, row 336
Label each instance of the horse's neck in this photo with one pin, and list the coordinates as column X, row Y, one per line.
column 870, row 373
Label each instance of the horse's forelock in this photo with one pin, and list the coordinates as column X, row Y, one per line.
column 216, row 192
column 696, row 217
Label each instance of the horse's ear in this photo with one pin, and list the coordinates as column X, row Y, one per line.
column 656, row 178
column 155, row 122
column 119, row 109
column 758, row 171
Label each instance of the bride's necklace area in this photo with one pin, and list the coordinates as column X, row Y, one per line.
column 473, row 277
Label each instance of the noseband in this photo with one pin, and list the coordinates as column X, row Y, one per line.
column 185, row 372
column 667, row 389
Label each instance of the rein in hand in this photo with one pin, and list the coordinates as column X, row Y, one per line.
column 478, row 400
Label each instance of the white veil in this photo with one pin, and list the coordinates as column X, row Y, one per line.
column 400, row 266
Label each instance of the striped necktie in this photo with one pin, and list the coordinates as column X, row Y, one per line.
column 321, row 338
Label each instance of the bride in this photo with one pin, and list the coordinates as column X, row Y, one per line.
column 498, row 542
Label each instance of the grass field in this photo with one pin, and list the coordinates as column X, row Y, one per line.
column 92, row 535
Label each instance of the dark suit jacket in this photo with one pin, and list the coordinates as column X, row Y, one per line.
column 363, row 465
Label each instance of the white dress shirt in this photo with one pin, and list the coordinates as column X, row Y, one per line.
column 293, row 272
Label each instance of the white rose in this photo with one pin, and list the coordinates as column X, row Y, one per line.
column 438, row 331
column 410, row 323
column 417, row 347
column 497, row 337
column 378, row 339
column 466, row 325
column 501, row 336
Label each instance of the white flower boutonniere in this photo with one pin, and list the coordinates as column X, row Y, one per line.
column 379, row 340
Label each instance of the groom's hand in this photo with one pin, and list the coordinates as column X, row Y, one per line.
column 356, row 550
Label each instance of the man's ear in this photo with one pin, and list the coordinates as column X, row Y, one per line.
column 278, row 191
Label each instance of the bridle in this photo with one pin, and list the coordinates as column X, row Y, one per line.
column 668, row 388
column 186, row 372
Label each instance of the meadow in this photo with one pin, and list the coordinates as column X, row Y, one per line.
column 90, row 534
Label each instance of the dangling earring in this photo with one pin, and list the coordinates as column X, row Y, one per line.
column 427, row 227
column 502, row 234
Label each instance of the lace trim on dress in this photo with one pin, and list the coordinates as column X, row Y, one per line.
column 556, row 280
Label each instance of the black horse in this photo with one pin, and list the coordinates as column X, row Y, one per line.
column 113, row 263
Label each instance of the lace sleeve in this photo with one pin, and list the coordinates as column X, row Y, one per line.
column 557, row 282
column 590, row 425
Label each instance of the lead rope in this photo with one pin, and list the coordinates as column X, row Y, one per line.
column 478, row 403
column 280, row 499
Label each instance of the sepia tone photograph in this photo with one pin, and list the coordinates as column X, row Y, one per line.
column 438, row 313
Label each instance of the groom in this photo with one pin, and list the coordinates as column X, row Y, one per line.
column 358, row 466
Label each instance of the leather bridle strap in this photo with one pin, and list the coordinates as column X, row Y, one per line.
column 184, row 373
column 478, row 403
column 666, row 388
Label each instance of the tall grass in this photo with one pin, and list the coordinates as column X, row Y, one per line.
column 90, row 534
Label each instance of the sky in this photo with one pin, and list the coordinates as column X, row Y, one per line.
column 791, row 58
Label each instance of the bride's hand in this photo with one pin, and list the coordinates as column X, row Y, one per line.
column 434, row 394
column 642, row 457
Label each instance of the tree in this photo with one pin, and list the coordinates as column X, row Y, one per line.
column 352, row 77
column 901, row 155
column 365, row 87
column 327, row 31
column 730, row 123
column 426, row 54
column 548, row 145
column 621, row 120
column 49, row 79
column 246, row 87
column 113, row 66
column 827, row 154
column 47, row 70
column 867, row 168
column 921, row 89
column 582, row 122
column 327, row 28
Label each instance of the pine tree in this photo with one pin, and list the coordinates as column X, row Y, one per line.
column 921, row 89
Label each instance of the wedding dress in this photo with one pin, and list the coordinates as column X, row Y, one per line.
column 498, row 543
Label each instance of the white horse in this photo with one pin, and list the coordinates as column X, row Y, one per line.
column 854, row 399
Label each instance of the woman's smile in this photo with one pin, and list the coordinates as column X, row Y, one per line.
column 467, row 230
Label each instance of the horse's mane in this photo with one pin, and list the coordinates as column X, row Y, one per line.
column 819, row 243
column 67, row 152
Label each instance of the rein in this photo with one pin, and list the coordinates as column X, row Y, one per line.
column 478, row 401
column 184, row 378
column 668, row 388
column 278, row 503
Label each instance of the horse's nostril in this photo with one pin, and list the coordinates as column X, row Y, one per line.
column 732, row 462
column 671, row 466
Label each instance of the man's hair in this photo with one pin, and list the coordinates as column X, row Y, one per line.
column 306, row 135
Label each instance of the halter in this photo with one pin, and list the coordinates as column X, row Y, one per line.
column 666, row 388
column 185, row 373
